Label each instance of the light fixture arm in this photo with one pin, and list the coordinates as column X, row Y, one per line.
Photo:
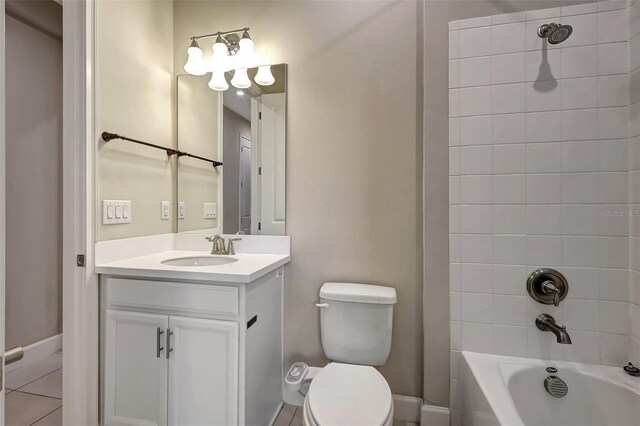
column 220, row 33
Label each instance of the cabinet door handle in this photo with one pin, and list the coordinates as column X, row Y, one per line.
column 168, row 344
column 159, row 348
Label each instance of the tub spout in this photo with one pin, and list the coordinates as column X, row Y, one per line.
column 546, row 322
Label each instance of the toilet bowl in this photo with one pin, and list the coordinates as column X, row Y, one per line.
column 348, row 395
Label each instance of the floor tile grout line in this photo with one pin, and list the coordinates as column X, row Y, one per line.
column 51, row 412
column 38, row 394
column 35, row 380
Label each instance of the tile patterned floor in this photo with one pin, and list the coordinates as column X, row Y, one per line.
column 290, row 415
column 34, row 394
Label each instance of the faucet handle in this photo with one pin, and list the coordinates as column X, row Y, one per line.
column 230, row 248
column 211, row 238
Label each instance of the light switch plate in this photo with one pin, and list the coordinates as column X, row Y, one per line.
column 116, row 212
column 165, row 212
column 210, row 211
column 181, row 209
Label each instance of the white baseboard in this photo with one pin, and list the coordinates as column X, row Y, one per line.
column 37, row 352
column 432, row 415
column 406, row 408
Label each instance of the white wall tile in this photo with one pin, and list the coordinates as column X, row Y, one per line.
column 454, row 219
column 613, row 90
column 508, row 98
column 509, row 310
column 475, row 101
column 614, row 349
column 509, row 158
column 508, row 18
column 580, row 188
column 509, row 340
column 584, row 282
column 634, row 123
column 614, row 317
column 454, row 335
column 454, row 276
column 509, row 189
column 580, row 125
column 454, row 306
column 482, row 21
column 544, row 127
column 454, row 73
column 579, row 9
column 454, row 161
column 580, row 93
column 544, row 157
column 634, row 86
column 544, row 189
column 613, row 187
column 580, row 251
column 454, row 103
column 580, row 219
column 476, row 337
column 613, row 26
column 612, row 123
column 634, row 58
column 614, row 252
column 509, row 279
column 476, row 307
column 543, row 96
column 542, row 65
column 475, row 249
column 454, row 44
column 581, row 38
column 613, row 58
column 634, row 20
column 475, row 71
column 508, row 38
column 544, row 250
column 508, row 68
column 603, row 6
column 476, row 219
column 580, row 156
column 544, row 219
column 613, row 155
column 454, row 131
column 509, row 249
column 454, row 25
column 543, row 13
column 509, row 128
column 454, row 190
column 454, row 247
column 476, row 189
column 581, row 315
column 476, row 160
column 475, row 42
column 614, row 285
column 509, row 219
column 579, row 61
column 475, row 130
column 585, row 347
column 476, row 278
column 613, row 219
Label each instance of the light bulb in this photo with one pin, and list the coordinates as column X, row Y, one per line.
column 264, row 77
column 218, row 81
column 219, row 58
column 241, row 79
column 195, row 62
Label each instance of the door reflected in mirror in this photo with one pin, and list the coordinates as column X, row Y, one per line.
column 245, row 129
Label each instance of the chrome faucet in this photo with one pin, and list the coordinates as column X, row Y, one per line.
column 546, row 322
column 218, row 245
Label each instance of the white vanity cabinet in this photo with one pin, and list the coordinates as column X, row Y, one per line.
column 191, row 353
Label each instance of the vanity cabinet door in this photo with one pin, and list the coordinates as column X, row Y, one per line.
column 135, row 372
column 203, row 372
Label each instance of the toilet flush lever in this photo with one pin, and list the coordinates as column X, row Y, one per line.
column 322, row 305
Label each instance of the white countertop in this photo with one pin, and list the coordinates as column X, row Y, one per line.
column 248, row 268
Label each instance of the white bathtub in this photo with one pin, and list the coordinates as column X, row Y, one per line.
column 509, row 391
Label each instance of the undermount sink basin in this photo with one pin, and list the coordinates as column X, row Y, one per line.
column 199, row 261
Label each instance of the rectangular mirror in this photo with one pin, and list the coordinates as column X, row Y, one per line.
column 245, row 130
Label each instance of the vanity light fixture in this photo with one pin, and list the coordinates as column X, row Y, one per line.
column 231, row 52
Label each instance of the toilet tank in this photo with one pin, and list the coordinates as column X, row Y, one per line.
column 356, row 322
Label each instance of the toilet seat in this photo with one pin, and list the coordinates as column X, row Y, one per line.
column 349, row 395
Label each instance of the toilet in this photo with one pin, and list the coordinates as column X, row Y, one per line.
column 355, row 324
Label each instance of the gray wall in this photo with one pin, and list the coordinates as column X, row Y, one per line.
column 34, row 171
column 233, row 126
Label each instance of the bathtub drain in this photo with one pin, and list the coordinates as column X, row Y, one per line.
column 555, row 386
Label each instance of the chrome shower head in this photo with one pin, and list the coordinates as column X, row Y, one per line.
column 555, row 33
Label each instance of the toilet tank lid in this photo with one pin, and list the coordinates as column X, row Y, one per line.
column 359, row 293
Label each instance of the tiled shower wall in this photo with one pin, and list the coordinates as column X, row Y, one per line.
column 634, row 177
column 539, row 177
